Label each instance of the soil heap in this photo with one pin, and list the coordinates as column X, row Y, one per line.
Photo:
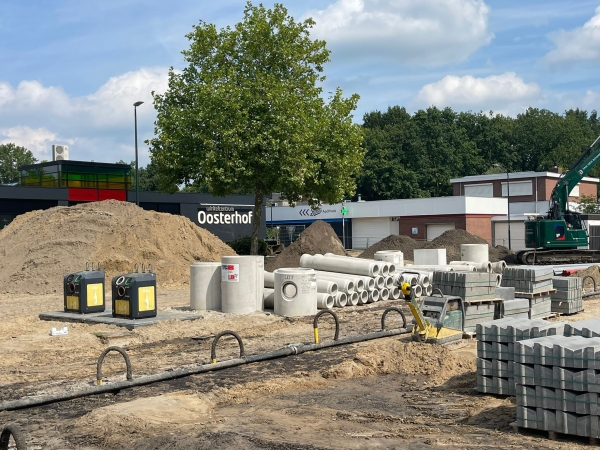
column 451, row 240
column 38, row 248
column 405, row 244
column 319, row 237
column 592, row 271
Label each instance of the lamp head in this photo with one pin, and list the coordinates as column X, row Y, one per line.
column 136, row 104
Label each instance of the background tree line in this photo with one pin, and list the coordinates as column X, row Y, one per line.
column 410, row 156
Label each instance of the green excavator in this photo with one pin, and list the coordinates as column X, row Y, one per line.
column 556, row 237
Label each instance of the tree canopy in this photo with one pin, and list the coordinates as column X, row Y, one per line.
column 247, row 115
column 416, row 155
column 11, row 157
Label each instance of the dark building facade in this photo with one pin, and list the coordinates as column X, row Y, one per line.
column 67, row 183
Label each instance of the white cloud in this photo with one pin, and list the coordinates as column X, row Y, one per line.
column 37, row 116
column 579, row 44
column 425, row 32
column 496, row 92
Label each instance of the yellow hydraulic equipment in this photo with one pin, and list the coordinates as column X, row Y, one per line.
column 424, row 330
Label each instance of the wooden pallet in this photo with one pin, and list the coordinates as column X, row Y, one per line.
column 554, row 435
column 560, row 314
column 485, row 300
column 535, row 295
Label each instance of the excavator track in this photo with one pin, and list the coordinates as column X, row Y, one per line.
column 567, row 256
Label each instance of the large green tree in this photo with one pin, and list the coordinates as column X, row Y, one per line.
column 11, row 157
column 247, row 115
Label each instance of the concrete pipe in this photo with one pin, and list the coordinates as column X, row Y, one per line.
column 391, row 269
column 498, row 267
column 269, row 280
column 327, row 287
column 340, row 300
column 369, row 283
column 205, row 286
column 353, row 298
column 324, row 301
column 343, row 284
column 498, row 280
column 409, row 278
column 379, row 282
column 395, row 293
column 388, row 282
column 418, row 290
column 423, row 278
column 373, row 296
column 357, row 281
column 428, row 290
column 396, row 278
column 363, row 297
column 345, row 264
column 442, row 268
column 384, row 294
column 479, row 267
column 385, row 269
column 269, row 298
column 475, row 252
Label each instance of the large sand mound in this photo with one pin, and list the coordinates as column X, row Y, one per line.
column 38, row 248
column 319, row 237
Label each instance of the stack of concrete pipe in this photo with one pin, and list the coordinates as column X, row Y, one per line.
column 487, row 266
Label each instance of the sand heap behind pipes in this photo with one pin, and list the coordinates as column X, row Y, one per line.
column 38, row 248
column 451, row 240
column 319, row 237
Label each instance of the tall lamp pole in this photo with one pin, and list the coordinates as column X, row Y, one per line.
column 137, row 171
column 508, row 198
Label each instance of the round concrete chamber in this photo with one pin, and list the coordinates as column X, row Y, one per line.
column 295, row 292
column 242, row 284
column 205, row 286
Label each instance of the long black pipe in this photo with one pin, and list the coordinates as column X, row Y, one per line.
column 163, row 376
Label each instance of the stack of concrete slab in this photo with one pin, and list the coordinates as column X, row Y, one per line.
column 587, row 328
column 477, row 289
column 517, row 308
column 567, row 298
column 495, row 348
column 534, row 284
column 557, row 382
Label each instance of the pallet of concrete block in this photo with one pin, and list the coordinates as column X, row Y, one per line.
column 480, row 311
column 470, row 286
column 568, row 296
column 528, row 281
column 587, row 328
column 557, row 381
column 495, row 349
column 517, row 308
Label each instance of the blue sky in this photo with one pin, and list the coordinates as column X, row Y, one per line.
column 71, row 70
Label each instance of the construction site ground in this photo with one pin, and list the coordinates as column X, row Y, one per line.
column 388, row 393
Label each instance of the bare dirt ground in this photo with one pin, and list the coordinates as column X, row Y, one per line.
column 388, row 393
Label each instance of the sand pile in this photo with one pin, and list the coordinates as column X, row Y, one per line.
column 319, row 237
column 405, row 244
column 37, row 249
column 592, row 271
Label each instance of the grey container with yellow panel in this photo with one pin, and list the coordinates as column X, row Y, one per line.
column 134, row 294
column 84, row 291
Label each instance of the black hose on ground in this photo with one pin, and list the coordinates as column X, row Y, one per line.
column 173, row 374
column 101, row 360
column 387, row 311
column 213, row 348
column 12, row 429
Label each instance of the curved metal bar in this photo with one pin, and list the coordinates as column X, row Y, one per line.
column 101, row 360
column 12, row 429
column 388, row 310
column 213, row 349
column 316, row 324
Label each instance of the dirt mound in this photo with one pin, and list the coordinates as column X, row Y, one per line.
column 405, row 244
column 38, row 248
column 451, row 240
column 413, row 358
column 592, row 271
column 319, row 237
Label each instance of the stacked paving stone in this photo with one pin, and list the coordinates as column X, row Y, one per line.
column 532, row 283
column 587, row 328
column 495, row 348
column 567, row 298
column 557, row 384
column 517, row 308
column 477, row 289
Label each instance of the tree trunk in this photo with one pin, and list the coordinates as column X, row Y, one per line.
column 256, row 216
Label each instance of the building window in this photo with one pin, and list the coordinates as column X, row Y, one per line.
column 479, row 190
column 517, row 188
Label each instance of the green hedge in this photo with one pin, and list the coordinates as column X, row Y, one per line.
column 243, row 244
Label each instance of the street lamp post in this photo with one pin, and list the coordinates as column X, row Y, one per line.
column 508, row 198
column 137, row 173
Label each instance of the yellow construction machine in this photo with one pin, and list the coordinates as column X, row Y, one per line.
column 438, row 310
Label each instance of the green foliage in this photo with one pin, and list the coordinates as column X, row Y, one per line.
column 243, row 245
column 588, row 204
column 272, row 233
column 150, row 179
column 247, row 115
column 11, row 157
column 416, row 156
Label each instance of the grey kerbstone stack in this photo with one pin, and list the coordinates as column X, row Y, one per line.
column 517, row 308
column 567, row 298
column 470, row 286
column 557, row 382
column 495, row 349
column 586, row 328
column 530, row 281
